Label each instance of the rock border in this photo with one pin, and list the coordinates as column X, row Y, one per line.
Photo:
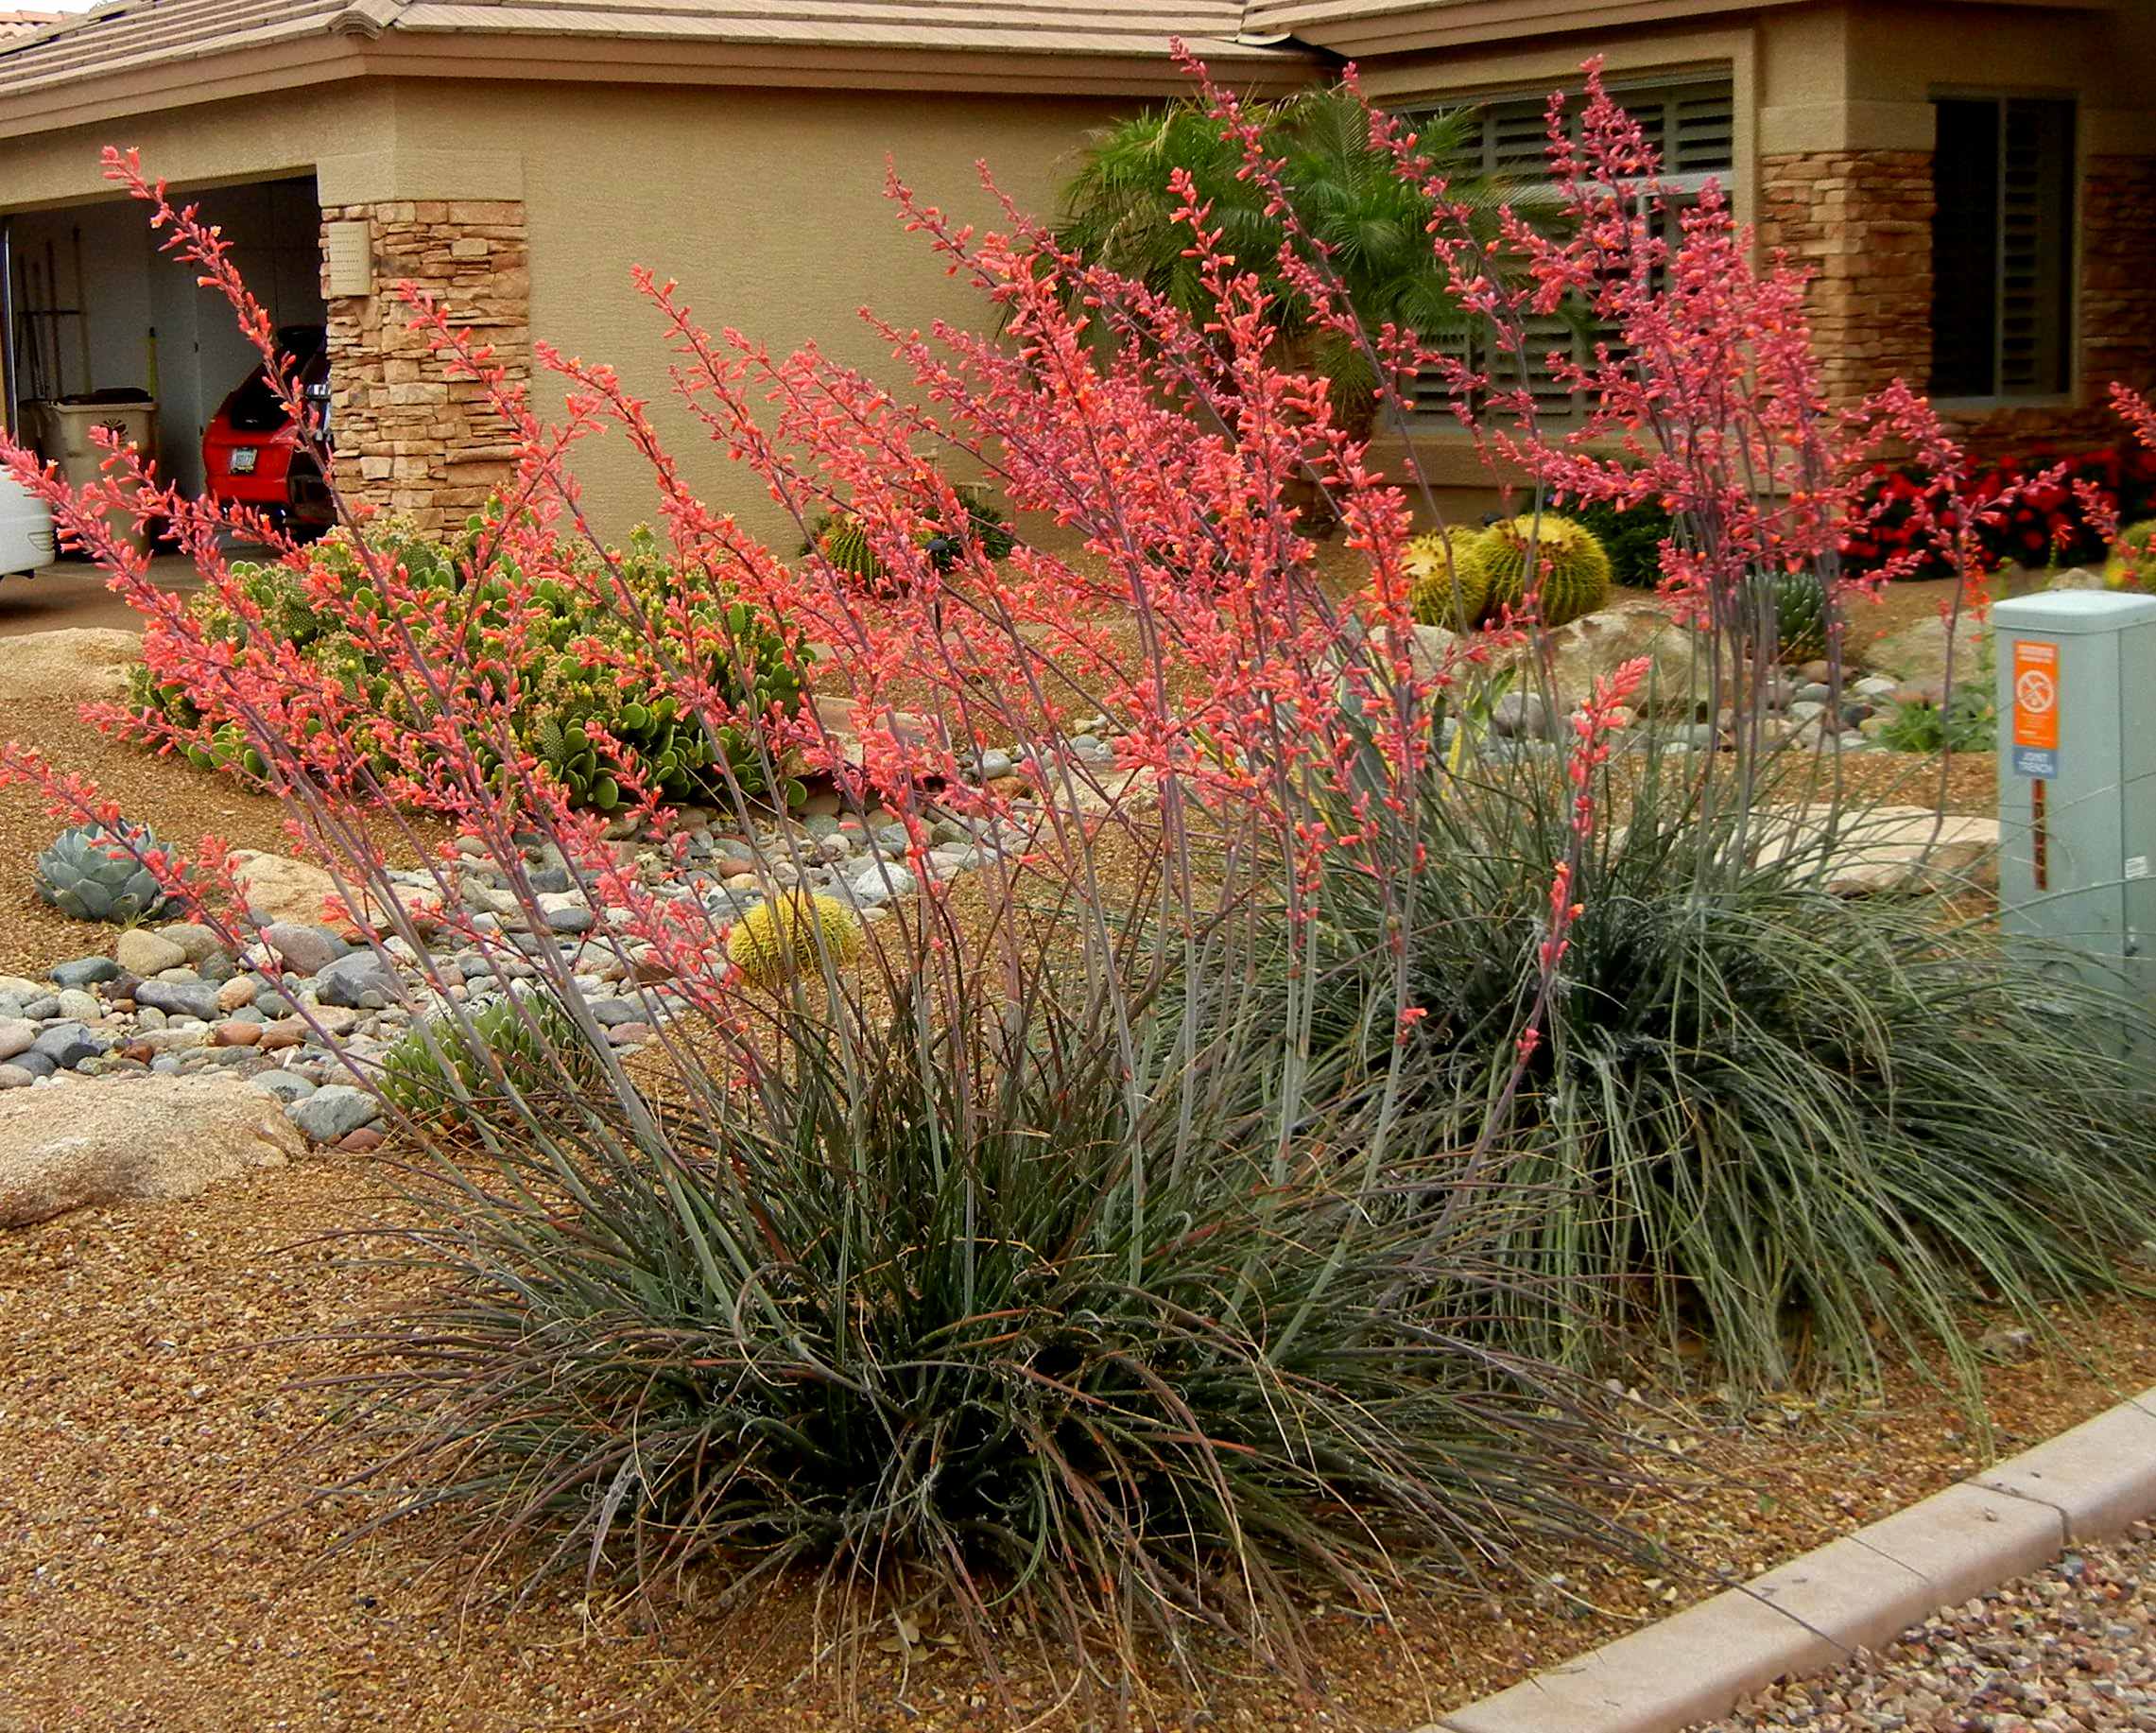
column 1861, row 1591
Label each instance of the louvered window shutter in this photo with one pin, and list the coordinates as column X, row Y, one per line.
column 2035, row 211
column 1692, row 129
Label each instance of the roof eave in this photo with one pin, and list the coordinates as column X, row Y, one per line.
column 218, row 73
column 590, row 58
column 215, row 75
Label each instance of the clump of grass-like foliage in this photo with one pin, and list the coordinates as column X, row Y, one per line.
column 1807, row 1128
column 945, row 1304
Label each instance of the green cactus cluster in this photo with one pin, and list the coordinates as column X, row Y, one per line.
column 1463, row 578
column 842, row 539
column 572, row 702
column 433, row 1069
column 92, row 874
column 1803, row 615
column 845, row 548
column 1444, row 589
column 1559, row 560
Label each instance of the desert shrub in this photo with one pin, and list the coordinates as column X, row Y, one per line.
column 922, row 1306
column 1801, row 1130
column 1632, row 534
column 589, row 667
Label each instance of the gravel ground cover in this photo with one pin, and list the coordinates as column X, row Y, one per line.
column 157, row 1570
column 2067, row 1649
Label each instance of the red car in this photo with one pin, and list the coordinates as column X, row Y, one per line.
column 252, row 454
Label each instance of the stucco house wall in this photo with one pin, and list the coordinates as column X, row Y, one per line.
column 767, row 206
column 525, row 205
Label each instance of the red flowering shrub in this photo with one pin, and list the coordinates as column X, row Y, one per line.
column 2034, row 507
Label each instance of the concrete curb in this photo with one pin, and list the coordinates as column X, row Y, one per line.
column 1858, row 1592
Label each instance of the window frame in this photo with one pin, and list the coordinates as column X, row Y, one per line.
column 2066, row 393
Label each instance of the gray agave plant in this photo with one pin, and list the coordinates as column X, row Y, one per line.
column 93, row 873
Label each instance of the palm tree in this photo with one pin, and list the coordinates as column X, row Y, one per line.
column 1120, row 213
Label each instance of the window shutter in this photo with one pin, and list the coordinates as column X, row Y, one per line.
column 2036, row 154
column 1703, row 119
column 1691, row 127
column 1516, row 138
column 2002, row 247
column 1552, row 397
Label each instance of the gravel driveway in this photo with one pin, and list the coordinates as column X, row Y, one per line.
column 2070, row 1648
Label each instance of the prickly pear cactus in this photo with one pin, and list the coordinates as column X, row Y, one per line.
column 1565, row 562
column 91, row 873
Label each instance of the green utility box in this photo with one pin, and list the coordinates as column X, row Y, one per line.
column 2077, row 673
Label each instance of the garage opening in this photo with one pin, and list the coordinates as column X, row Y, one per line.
column 104, row 329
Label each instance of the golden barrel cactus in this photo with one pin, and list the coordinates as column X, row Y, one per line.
column 1445, row 586
column 779, row 938
column 1569, row 568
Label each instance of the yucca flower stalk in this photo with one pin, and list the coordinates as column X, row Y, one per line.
column 967, row 1268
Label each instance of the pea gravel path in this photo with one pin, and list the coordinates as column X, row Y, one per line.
column 2067, row 1649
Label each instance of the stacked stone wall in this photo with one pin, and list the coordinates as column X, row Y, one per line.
column 407, row 438
column 1859, row 222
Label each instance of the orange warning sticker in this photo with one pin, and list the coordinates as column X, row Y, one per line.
column 2036, row 709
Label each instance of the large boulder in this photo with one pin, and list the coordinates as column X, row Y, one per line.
column 1882, row 848
column 277, row 887
column 78, row 662
column 1597, row 644
column 73, row 1146
column 1917, row 653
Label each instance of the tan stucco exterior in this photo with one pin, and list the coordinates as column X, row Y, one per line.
column 765, row 204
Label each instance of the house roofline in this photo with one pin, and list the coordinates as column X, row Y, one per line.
column 369, row 40
column 1358, row 28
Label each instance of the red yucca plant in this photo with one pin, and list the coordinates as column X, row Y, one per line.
column 1059, row 1261
column 977, row 1267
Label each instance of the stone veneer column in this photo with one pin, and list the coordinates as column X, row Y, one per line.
column 407, row 438
column 1859, row 222
column 2118, row 272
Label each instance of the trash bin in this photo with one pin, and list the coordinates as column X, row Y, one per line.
column 65, row 431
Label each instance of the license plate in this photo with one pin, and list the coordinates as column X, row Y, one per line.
column 243, row 460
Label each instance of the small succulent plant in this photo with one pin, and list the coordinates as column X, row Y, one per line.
column 1801, row 610
column 93, row 874
column 531, row 1038
column 845, row 546
column 1566, row 564
column 776, row 938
